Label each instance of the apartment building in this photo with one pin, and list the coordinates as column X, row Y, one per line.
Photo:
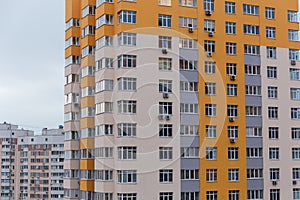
column 31, row 165
column 181, row 100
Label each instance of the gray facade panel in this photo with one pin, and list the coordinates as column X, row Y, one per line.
column 191, row 76
column 189, row 97
column 254, row 121
column 191, row 119
column 252, row 60
column 253, row 101
column 254, row 142
column 254, row 163
column 257, row 184
column 189, row 141
column 190, row 186
column 188, row 54
column 189, row 163
column 252, row 80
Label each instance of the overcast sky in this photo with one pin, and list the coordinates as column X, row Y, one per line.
column 32, row 62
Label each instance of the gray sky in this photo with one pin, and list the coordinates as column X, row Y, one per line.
column 32, row 62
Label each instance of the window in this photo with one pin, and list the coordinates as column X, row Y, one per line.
column 87, row 91
column 253, row 132
column 100, row 2
column 165, row 175
column 233, row 175
column 104, row 63
column 296, row 193
column 209, row 5
column 72, row 41
column 127, row 153
column 188, row 108
column 186, row 43
column 209, row 25
column 88, row 10
column 88, row 71
column 270, row 13
column 189, row 3
column 209, row 46
column 211, row 110
column 72, row 60
column 272, row 92
column 105, row 19
column 233, row 153
column 271, row 32
column 271, row 52
column 254, row 173
column 232, row 131
column 292, row 16
column 250, row 9
column 104, row 41
column 211, row 131
column 273, row 133
column 210, row 88
column 186, row 22
column 165, row 86
column 232, row 90
column 165, row 42
column 251, row 49
column 294, row 74
column 188, row 86
column 104, row 129
column 189, row 174
column 165, row 21
column 165, row 153
column 253, row 111
column 166, row 196
column 295, row 113
column 255, row 194
column 211, row 175
column 127, row 107
column 251, row 29
column 189, row 152
column 126, row 16
column 127, row 176
column 165, row 64
column 104, row 85
column 191, row 65
column 295, row 133
column 127, row 84
column 230, row 69
column 104, row 152
column 296, row 173
column 189, row 130
column 165, row 108
column 127, row 39
column 165, row 130
column 127, row 130
column 126, row 61
column 230, row 27
column 190, row 196
column 104, row 107
column 294, row 54
column 254, row 152
column 210, row 67
column 231, row 48
column 229, row 7
column 234, row 195
column 87, row 112
column 72, row 23
column 232, row 110
column 211, row 195
column 252, row 69
column 274, row 194
column 104, row 175
column 211, row 153
column 274, row 153
column 274, row 174
column 293, row 35
column 273, row 112
column 271, row 72
column 295, row 93
column 296, row 153
column 127, row 196
column 164, row 2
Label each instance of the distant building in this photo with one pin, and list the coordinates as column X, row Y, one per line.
column 31, row 165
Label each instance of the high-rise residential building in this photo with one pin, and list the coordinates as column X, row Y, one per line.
column 182, row 100
column 31, row 165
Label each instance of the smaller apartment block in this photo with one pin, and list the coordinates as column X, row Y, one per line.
column 31, row 165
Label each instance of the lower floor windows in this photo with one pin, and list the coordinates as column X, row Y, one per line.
column 190, row 196
column 274, row 194
column 211, row 195
column 166, row 196
column 127, row 196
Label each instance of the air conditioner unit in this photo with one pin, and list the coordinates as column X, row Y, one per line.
column 274, row 182
column 165, row 95
column 232, row 77
column 209, row 54
column 164, row 51
column 208, row 13
column 231, row 119
column 294, row 182
column 211, row 33
column 232, row 140
column 160, row 117
column 191, row 30
column 167, row 117
column 293, row 62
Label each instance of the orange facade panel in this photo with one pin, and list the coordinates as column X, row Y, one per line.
column 87, row 143
column 87, row 164
column 87, row 185
column 88, row 102
column 72, row 9
column 88, row 122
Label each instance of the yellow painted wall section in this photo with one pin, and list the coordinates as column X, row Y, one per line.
column 72, row 9
column 87, row 185
column 87, row 143
column 88, row 122
column 88, row 102
column 87, row 164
